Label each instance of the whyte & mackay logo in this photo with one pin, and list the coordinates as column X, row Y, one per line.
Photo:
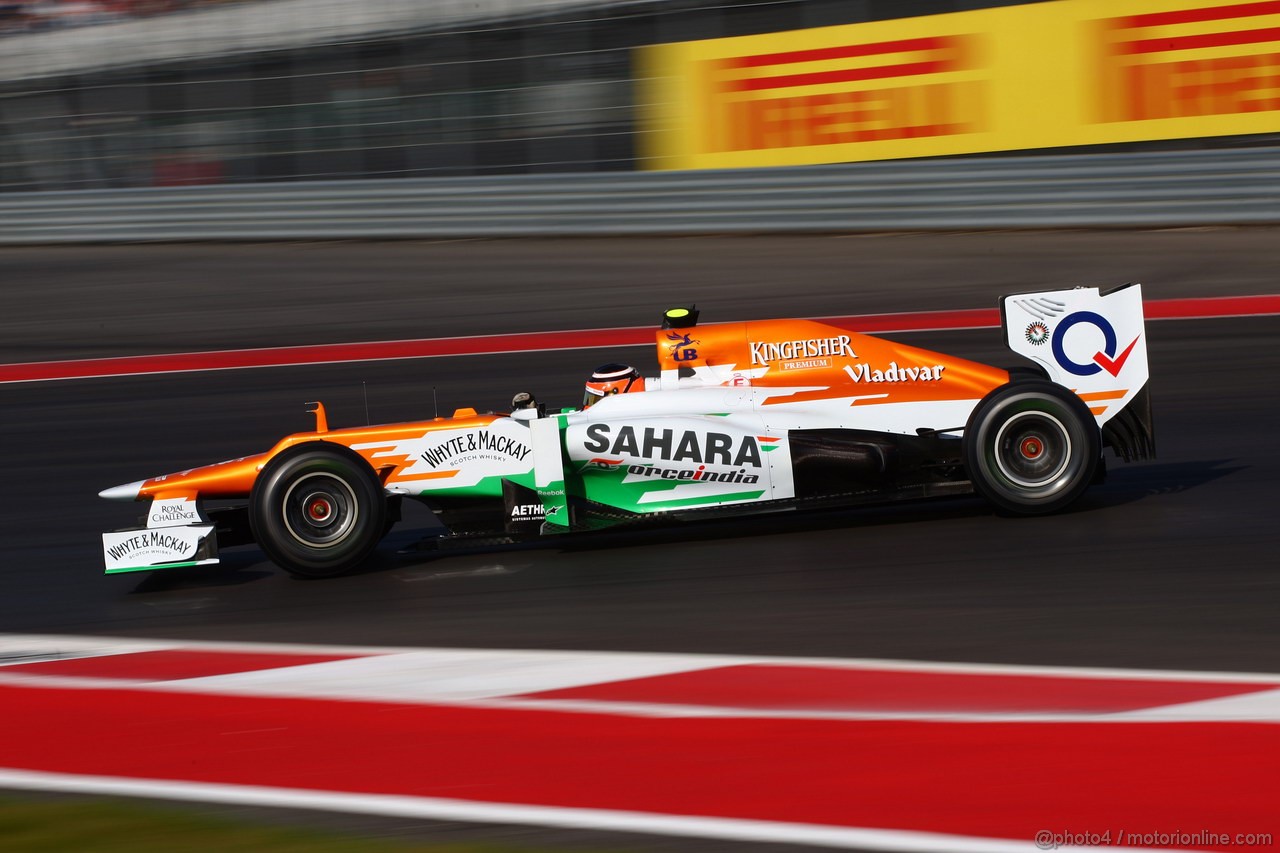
column 483, row 442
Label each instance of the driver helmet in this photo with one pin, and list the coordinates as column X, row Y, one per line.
column 611, row 379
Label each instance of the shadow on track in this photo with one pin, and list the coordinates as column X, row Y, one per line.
column 233, row 571
column 406, row 548
column 1128, row 484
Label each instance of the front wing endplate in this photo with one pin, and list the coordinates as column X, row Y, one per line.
column 155, row 548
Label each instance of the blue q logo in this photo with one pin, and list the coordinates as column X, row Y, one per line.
column 1106, row 359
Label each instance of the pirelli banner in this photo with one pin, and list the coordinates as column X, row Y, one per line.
column 1071, row 72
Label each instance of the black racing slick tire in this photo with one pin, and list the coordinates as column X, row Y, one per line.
column 317, row 510
column 1031, row 447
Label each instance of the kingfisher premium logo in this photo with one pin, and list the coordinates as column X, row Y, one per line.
column 765, row 353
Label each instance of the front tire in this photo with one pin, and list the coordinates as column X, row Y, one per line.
column 317, row 510
column 1032, row 447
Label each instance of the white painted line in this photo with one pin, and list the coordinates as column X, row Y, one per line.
column 605, row 820
column 1230, row 710
column 451, row 675
column 1263, row 706
column 496, row 679
column 76, row 645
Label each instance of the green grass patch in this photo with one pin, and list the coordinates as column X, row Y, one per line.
column 59, row 825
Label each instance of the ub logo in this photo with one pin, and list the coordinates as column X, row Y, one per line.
column 682, row 347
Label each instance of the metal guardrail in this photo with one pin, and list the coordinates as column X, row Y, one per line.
column 1219, row 187
column 215, row 30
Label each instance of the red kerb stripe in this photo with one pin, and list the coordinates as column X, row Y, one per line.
column 816, row 688
column 167, row 664
column 1214, row 306
column 969, row 318
column 1006, row 780
column 323, row 354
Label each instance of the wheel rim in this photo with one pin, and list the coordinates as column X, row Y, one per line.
column 320, row 510
column 1033, row 450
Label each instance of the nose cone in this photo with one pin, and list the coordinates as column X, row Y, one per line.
column 127, row 492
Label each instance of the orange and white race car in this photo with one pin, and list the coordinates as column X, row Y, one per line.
column 748, row 417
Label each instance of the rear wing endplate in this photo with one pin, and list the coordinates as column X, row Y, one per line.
column 1094, row 343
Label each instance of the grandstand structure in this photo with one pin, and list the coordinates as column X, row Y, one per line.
column 288, row 90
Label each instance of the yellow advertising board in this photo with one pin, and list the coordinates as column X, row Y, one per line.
column 1043, row 75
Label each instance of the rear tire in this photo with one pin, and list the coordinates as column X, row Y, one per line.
column 1031, row 447
column 317, row 510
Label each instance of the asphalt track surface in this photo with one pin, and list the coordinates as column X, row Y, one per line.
column 1169, row 564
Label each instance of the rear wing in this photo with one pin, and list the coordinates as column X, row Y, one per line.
column 1094, row 343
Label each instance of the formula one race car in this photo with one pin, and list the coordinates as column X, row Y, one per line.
column 744, row 418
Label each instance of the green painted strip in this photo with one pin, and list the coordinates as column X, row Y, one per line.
column 161, row 566
column 486, row 487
